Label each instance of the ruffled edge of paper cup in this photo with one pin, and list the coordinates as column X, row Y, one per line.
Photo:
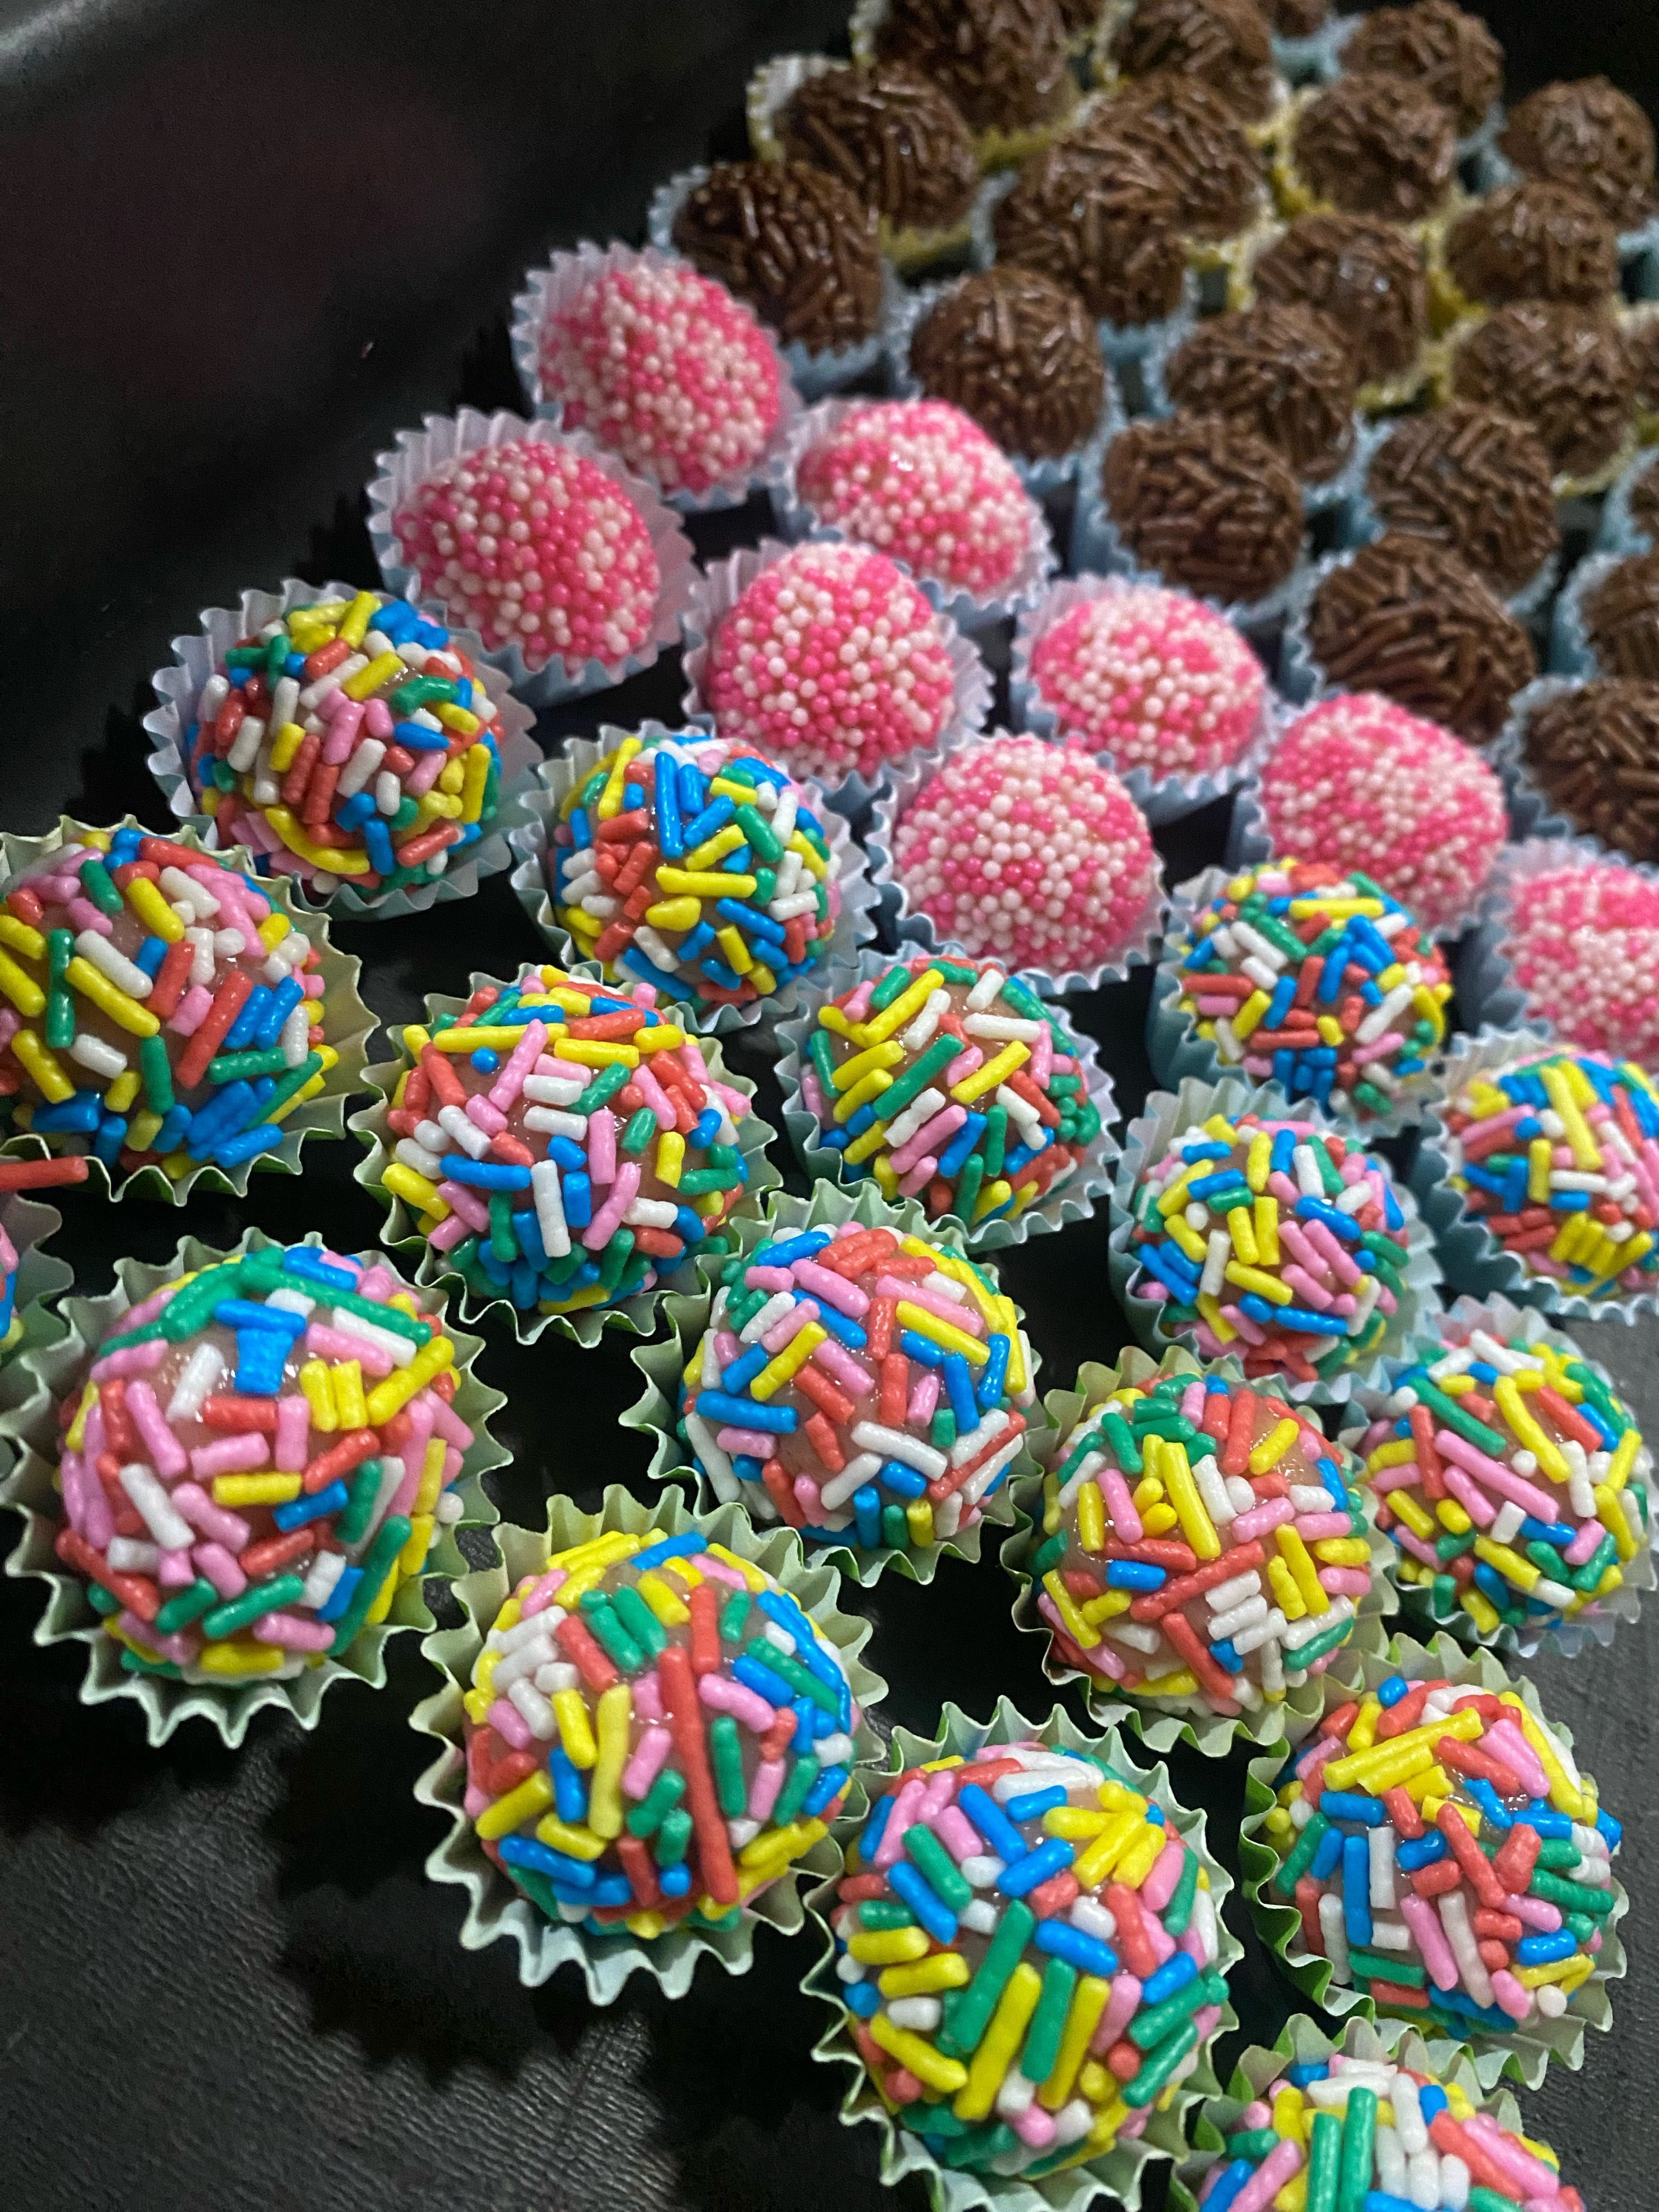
column 1619, row 531
column 42, row 1276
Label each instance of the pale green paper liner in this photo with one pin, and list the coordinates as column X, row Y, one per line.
column 663, row 1365
column 42, row 1276
column 1524, row 2056
column 1119, row 2172
column 495, row 1906
column 348, row 1023
column 28, row 1443
column 637, row 1315
column 1160, row 1723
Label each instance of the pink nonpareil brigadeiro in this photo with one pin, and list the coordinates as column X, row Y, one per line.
column 1359, row 783
column 1582, row 943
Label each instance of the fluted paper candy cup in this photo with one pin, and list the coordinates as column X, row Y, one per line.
column 34, row 1277
column 1619, row 531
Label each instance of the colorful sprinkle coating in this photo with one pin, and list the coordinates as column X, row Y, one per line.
column 952, row 1084
column 533, row 544
column 159, row 1010
column 921, row 481
column 1557, row 1157
column 1319, row 981
column 1395, row 2140
column 655, row 1733
column 1279, row 1235
column 1151, row 678
column 696, row 866
column 349, row 741
column 833, row 662
column 868, row 1388
column 260, row 1458
column 1028, row 1954
column 1515, row 1485
column 24, row 1176
column 1582, row 943
column 1446, row 1856
column 1201, row 1544
column 1028, row 853
column 1359, row 783
column 670, row 371
column 565, row 1145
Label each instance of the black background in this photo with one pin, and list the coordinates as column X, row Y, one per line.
column 241, row 244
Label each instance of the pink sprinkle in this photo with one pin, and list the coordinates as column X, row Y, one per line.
column 294, row 1632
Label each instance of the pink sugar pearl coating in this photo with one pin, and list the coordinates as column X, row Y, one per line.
column 1028, row 853
column 833, row 662
column 918, row 479
column 1583, row 943
column 533, row 545
column 1151, row 678
column 1359, row 783
column 666, row 369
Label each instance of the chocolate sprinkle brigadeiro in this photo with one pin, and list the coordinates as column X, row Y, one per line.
column 794, row 242
column 1205, row 505
column 1474, row 480
column 1297, row 19
column 1226, row 43
column 1284, row 372
column 1194, row 139
column 1534, row 240
column 894, row 139
column 1377, row 145
column 1589, row 134
column 1621, row 618
column 1019, row 353
column 1447, row 52
column 1107, row 226
column 1594, row 753
column 1367, row 275
column 1003, row 62
column 1406, row 617
column 1565, row 368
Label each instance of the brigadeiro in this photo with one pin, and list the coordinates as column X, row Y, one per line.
column 1108, row 225
column 1450, row 52
column 1592, row 752
column 1226, row 42
column 897, row 142
column 795, row 242
column 1621, row 618
column 1003, row 62
column 1376, row 145
column 1283, row 373
column 1204, row 505
column 1477, row 481
column 1367, row 275
column 1534, row 240
column 1566, row 370
column 1580, row 939
column 1586, row 133
column 1193, row 139
column 1017, row 353
column 1297, row 19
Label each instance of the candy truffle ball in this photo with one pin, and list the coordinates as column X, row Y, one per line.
column 1586, row 133
column 1108, row 228
column 1205, row 505
column 1377, row 145
column 950, row 1083
column 1365, row 274
column 1582, row 943
column 1225, row 43
column 1359, row 783
column 1591, row 752
column 162, row 1012
column 1447, row 52
column 1003, row 62
column 1194, row 138
column 706, row 895
column 1534, row 240
column 1406, row 617
column 259, row 1460
column 1355, row 1015
column 531, row 543
column 1565, row 369
column 655, row 1733
column 1410, row 1909
column 1017, row 353
column 796, row 243
column 1055, row 1969
column 924, row 484
column 1478, row 481
column 1154, row 679
column 1027, row 852
column 897, row 141
column 1521, row 1139
column 1284, row 373
column 666, row 369
column 1621, row 617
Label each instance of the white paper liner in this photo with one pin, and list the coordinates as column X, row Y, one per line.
column 1532, row 812
column 1121, row 2172
column 496, row 1907
column 416, row 456
column 1493, row 169
column 562, row 280
column 1488, row 994
column 1497, row 1316
column 1524, row 2057
column 1442, row 391
column 1619, row 531
column 996, row 148
column 1377, row 396
column 717, row 591
column 1072, row 1200
column 1167, row 1116
column 28, row 1451
column 898, row 792
column 196, row 655
column 796, row 519
column 1292, row 191
column 42, row 1277
column 855, row 925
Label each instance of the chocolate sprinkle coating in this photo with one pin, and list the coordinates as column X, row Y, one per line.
column 895, row 140
column 1642, row 344
column 1019, row 353
column 1621, row 618
column 1407, row 619
column 1226, row 43
column 1297, row 19
column 1003, row 62
column 1595, row 755
column 1205, row 505
column 794, row 242
column 1197, row 141
column 1368, row 275
column 1534, row 240
column 1284, row 372
column 1566, row 370
column 1474, row 480
column 1080, row 15
column 1108, row 227
column 1450, row 52
column 1587, row 133
column 1377, row 145
column 1644, row 501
